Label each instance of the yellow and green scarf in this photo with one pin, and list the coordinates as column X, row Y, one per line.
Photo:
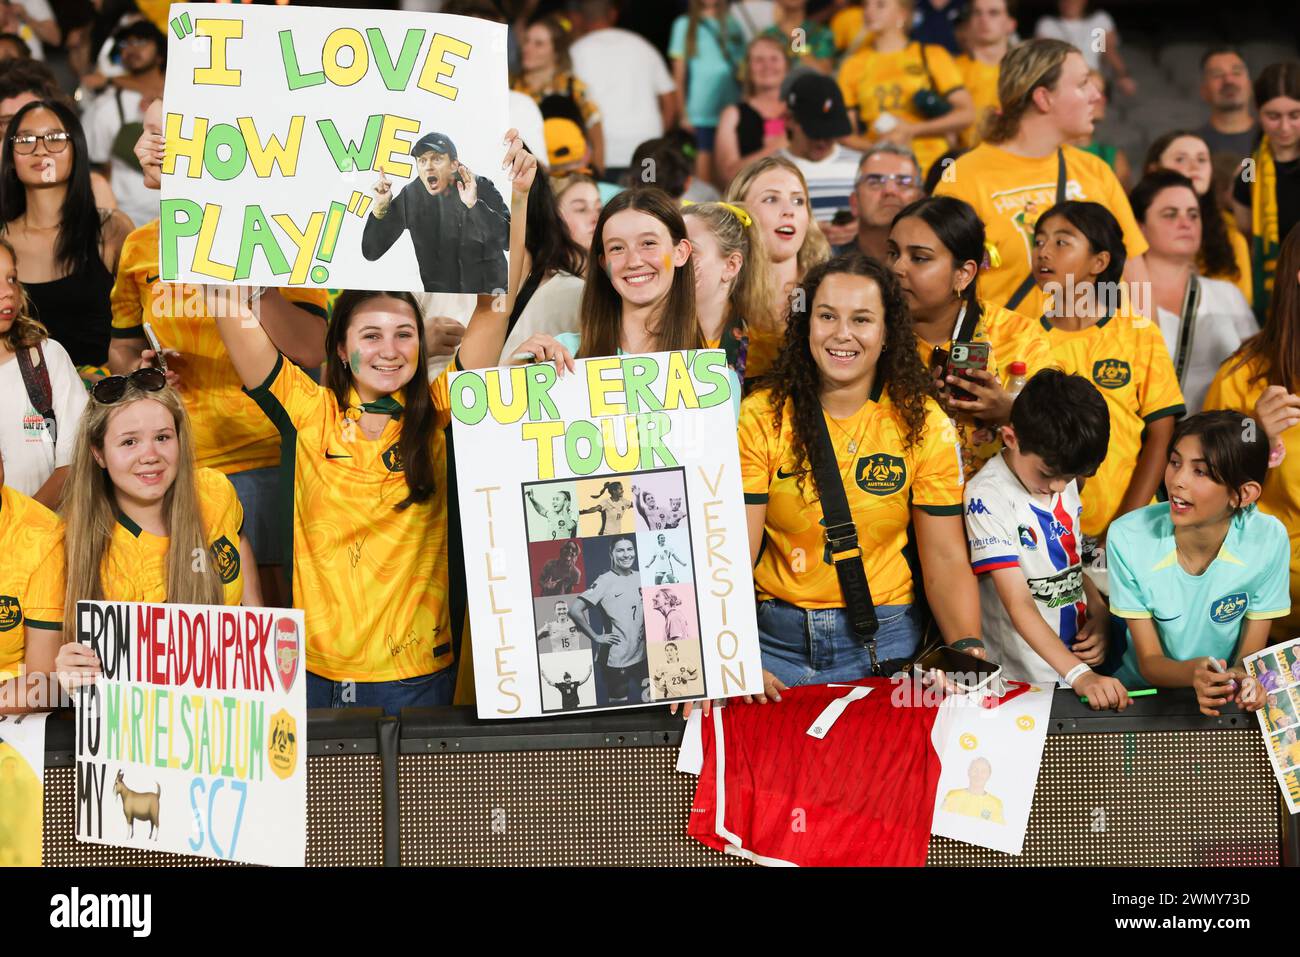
column 1266, row 244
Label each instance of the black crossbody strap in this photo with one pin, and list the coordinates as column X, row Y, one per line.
column 1023, row 289
column 845, row 551
column 1187, row 328
column 36, row 379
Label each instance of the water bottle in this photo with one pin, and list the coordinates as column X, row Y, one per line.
column 1017, row 383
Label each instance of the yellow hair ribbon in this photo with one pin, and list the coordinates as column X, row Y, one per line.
column 735, row 210
column 739, row 213
column 992, row 256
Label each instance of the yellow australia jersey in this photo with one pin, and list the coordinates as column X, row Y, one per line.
column 983, row 806
column 1241, row 255
column 877, row 83
column 1127, row 360
column 1233, row 388
column 846, row 26
column 981, row 79
column 883, row 479
column 230, row 432
column 135, row 566
column 1010, row 192
column 371, row 580
column 1012, row 337
column 31, row 575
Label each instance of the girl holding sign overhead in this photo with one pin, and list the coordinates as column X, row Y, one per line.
column 366, row 455
column 848, row 402
column 143, row 522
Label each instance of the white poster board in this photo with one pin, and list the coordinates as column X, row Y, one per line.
column 605, row 534
column 280, row 121
column 990, row 759
column 193, row 739
column 1277, row 669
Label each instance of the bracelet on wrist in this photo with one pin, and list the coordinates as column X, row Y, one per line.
column 1075, row 673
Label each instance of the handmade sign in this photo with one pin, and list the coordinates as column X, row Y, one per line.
column 605, row 534
column 355, row 149
column 193, row 740
column 1277, row 669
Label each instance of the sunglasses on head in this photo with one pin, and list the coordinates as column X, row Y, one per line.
column 111, row 389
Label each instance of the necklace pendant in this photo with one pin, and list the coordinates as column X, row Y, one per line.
column 852, row 447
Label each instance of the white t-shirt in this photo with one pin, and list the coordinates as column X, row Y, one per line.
column 1088, row 34
column 754, row 16
column 1223, row 323
column 624, row 76
column 30, row 457
column 453, row 305
column 526, row 117
column 1006, row 527
column 552, row 310
column 36, row 10
column 830, row 181
column 101, row 123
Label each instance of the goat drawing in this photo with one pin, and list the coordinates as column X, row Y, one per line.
column 138, row 805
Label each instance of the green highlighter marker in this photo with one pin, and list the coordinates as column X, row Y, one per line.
column 1145, row 692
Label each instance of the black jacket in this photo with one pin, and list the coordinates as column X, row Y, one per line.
column 458, row 249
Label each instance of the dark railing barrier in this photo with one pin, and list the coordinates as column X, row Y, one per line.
column 1159, row 785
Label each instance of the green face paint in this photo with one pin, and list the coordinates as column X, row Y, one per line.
column 354, row 359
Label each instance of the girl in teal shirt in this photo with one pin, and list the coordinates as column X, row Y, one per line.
column 1200, row 577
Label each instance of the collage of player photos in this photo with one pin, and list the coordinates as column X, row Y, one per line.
column 613, row 589
column 1278, row 672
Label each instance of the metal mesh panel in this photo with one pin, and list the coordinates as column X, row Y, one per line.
column 344, row 820
column 1161, row 798
column 592, row 807
column 1150, row 798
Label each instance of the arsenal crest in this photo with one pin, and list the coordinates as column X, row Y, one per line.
column 287, row 651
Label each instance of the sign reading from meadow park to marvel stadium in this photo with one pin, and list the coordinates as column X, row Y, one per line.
column 193, row 739
column 355, row 149
column 606, row 544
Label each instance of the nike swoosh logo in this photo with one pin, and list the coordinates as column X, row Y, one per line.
column 331, row 455
column 783, row 474
column 151, row 279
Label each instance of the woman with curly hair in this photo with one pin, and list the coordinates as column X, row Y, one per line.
column 850, row 365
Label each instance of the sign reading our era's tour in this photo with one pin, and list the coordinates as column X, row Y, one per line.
column 193, row 739
column 605, row 535
column 345, row 148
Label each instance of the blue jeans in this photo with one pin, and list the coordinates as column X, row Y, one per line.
column 809, row 646
column 264, row 518
column 426, row 691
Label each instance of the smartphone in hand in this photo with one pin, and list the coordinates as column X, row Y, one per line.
column 962, row 358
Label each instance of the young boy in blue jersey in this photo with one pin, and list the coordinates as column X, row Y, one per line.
column 1042, row 618
column 1199, row 578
